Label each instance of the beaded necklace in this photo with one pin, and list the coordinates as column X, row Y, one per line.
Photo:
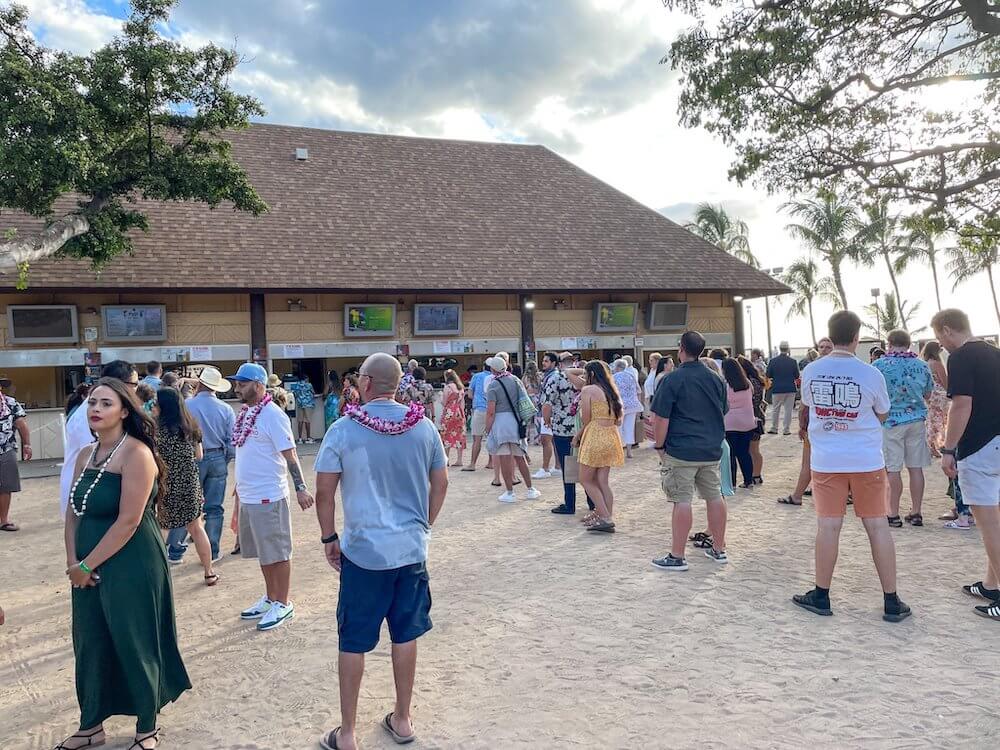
column 101, row 467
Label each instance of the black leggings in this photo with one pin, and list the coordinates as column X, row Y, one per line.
column 739, row 452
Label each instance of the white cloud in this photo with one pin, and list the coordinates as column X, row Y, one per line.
column 70, row 24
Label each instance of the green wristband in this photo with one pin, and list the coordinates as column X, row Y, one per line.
column 84, row 567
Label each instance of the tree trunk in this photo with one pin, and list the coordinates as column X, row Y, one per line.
column 812, row 325
column 895, row 286
column 993, row 291
column 937, row 291
column 839, row 282
column 44, row 244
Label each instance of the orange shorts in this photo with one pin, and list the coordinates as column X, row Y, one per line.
column 867, row 488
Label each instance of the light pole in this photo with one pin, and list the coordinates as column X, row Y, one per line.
column 878, row 315
column 750, row 319
column 773, row 272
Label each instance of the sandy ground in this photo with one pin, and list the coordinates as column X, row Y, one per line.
column 547, row 637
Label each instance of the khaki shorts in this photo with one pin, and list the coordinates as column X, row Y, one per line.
column 906, row 445
column 478, row 423
column 266, row 531
column 510, row 449
column 867, row 488
column 678, row 479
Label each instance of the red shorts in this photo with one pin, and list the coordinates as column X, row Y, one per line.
column 867, row 488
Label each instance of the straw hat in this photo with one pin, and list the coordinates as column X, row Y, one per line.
column 273, row 381
column 210, row 377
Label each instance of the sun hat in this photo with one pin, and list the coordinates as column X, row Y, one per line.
column 496, row 363
column 210, row 377
column 273, row 381
column 563, row 356
column 250, row 372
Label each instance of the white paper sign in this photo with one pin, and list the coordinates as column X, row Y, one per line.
column 201, row 353
column 639, row 341
column 294, row 351
column 90, row 333
column 442, row 347
column 568, row 343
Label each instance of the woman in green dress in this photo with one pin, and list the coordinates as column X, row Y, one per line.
column 124, row 635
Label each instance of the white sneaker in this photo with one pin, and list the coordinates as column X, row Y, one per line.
column 257, row 609
column 555, row 473
column 541, row 474
column 532, row 494
column 276, row 615
column 508, row 497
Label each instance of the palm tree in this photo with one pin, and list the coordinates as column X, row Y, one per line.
column 891, row 316
column 975, row 254
column 827, row 226
column 878, row 236
column 803, row 278
column 714, row 225
column 923, row 245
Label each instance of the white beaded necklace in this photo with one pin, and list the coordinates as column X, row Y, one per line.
column 100, row 473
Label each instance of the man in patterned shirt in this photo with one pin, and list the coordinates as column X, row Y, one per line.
column 557, row 399
column 12, row 418
column 305, row 401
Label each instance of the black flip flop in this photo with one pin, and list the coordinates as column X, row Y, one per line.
column 396, row 736
column 787, row 500
column 915, row 519
column 895, row 521
column 329, row 740
column 606, row 526
column 10, row 527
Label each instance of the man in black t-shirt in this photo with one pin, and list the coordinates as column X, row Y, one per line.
column 972, row 445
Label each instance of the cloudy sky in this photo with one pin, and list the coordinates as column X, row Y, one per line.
column 579, row 76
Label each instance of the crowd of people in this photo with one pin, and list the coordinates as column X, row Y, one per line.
column 155, row 479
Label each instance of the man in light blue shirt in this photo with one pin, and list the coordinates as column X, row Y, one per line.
column 216, row 420
column 904, row 436
column 154, row 375
column 390, row 465
column 477, row 387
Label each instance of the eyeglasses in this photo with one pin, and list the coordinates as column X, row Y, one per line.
column 132, row 383
column 363, row 375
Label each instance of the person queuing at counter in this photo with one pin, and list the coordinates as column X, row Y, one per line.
column 12, row 420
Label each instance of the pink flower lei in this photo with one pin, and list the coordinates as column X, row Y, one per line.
column 414, row 413
column 246, row 420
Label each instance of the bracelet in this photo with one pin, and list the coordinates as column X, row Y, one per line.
column 84, row 567
column 332, row 538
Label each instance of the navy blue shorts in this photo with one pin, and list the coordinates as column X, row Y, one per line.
column 401, row 596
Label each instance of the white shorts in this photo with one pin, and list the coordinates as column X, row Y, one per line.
column 906, row 445
column 979, row 475
column 543, row 430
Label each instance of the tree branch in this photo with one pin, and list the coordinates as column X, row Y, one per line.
column 983, row 15
column 48, row 241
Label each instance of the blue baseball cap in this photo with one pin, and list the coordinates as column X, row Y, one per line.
column 250, row 372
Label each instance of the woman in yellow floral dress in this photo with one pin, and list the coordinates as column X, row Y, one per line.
column 599, row 441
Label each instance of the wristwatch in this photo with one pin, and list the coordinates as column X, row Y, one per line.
column 332, row 538
column 948, row 451
column 300, row 487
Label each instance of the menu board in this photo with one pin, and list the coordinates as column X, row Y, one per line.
column 134, row 323
column 431, row 319
column 369, row 320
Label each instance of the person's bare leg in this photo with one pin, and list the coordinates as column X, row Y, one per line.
column 547, row 452
column 504, row 465
column 477, row 446
column 603, row 480
column 988, row 520
column 680, row 527
column 460, row 452
column 350, row 670
column 88, row 738
column 916, row 490
column 717, row 515
column 522, row 466
column 201, row 545
column 4, row 507
column 805, row 473
column 758, row 458
column 895, row 492
column 883, row 551
column 404, row 670
column 278, row 579
column 494, row 463
column 588, row 478
column 827, row 548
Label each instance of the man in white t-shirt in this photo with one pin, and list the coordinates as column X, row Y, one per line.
column 848, row 401
column 265, row 451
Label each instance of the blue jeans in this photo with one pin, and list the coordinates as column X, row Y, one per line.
column 213, row 472
column 564, row 447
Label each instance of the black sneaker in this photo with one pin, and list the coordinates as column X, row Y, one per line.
column 812, row 602
column 978, row 589
column 562, row 510
column 991, row 611
column 670, row 563
column 897, row 612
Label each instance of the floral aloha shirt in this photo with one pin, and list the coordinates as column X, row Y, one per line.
column 908, row 380
column 559, row 393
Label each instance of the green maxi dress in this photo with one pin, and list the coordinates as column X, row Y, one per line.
column 124, row 634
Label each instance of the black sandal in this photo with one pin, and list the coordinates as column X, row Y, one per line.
column 79, row 736
column 329, row 740
column 705, row 543
column 138, row 743
column 788, row 500
column 895, row 521
column 915, row 519
column 699, row 536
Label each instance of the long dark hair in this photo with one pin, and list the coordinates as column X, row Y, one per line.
column 334, row 380
column 734, row 375
column 931, row 351
column 661, row 364
column 77, row 397
column 598, row 374
column 139, row 425
column 748, row 369
column 175, row 418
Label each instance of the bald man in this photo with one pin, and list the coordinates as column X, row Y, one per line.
column 390, row 466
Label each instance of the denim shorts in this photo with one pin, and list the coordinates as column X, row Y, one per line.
column 400, row 596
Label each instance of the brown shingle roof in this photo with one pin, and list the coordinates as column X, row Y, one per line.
column 369, row 211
